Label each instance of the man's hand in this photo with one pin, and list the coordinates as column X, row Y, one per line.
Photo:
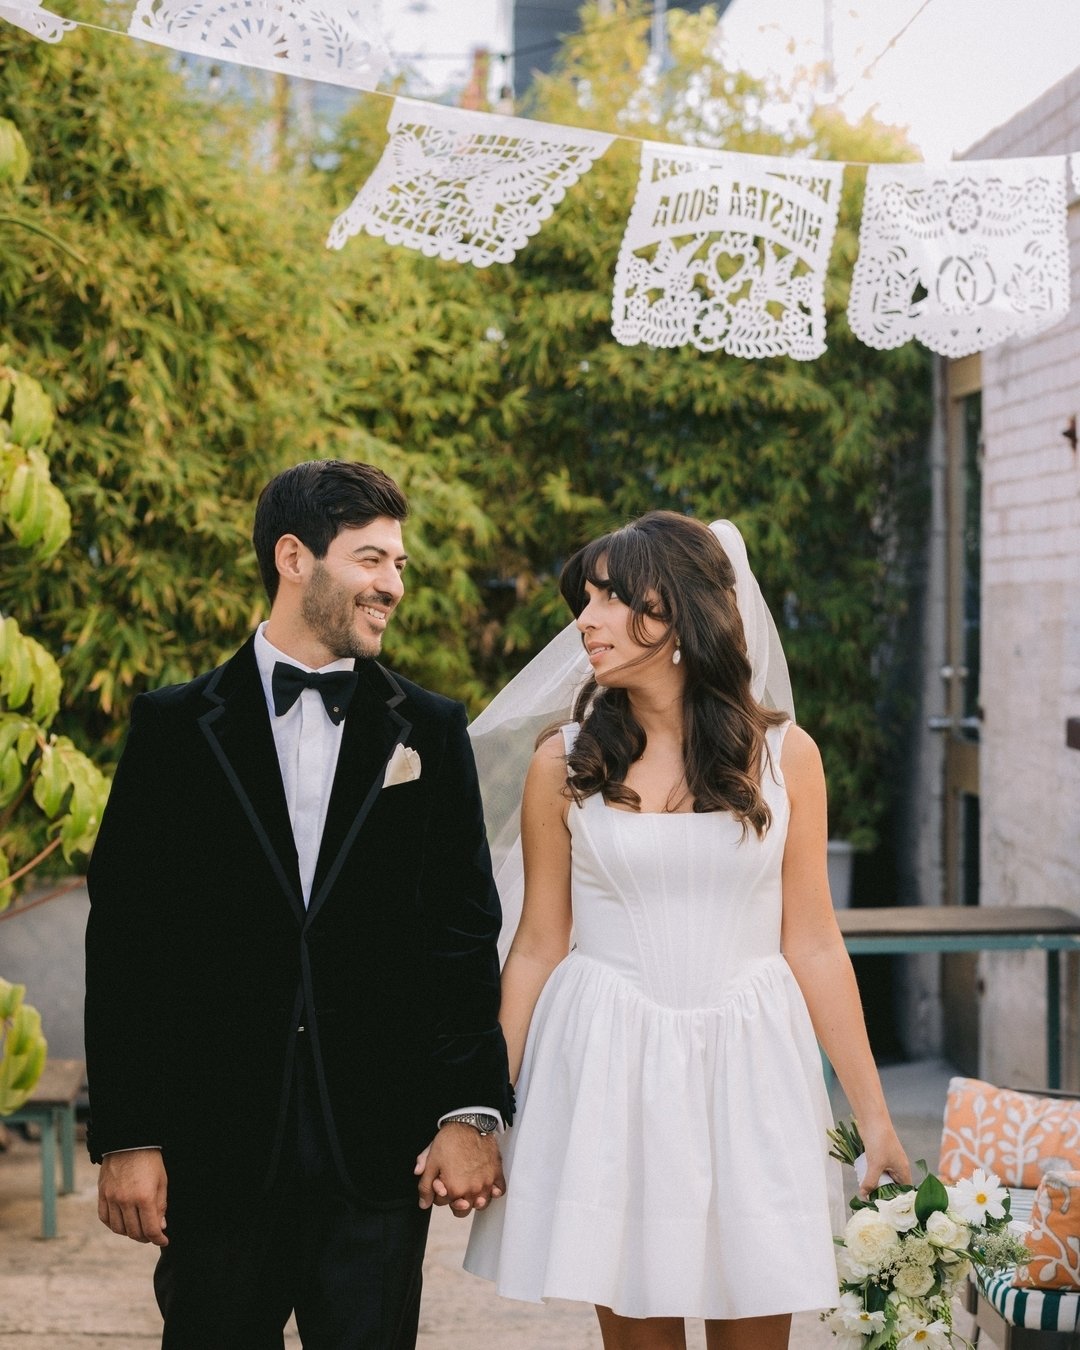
column 460, row 1168
column 132, row 1190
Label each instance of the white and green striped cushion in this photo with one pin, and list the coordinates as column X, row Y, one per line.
column 1036, row 1309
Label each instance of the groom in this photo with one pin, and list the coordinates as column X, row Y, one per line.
column 291, row 972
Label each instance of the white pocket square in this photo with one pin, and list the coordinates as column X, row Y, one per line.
column 402, row 767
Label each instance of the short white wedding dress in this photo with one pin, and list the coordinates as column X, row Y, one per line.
column 669, row 1155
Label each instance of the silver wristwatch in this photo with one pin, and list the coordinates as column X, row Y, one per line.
column 483, row 1124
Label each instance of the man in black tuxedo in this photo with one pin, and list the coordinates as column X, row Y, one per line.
column 292, row 982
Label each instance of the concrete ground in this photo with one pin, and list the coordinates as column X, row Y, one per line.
column 89, row 1290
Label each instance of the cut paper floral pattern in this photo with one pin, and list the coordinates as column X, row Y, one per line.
column 31, row 18
column 727, row 252
column 467, row 186
column 961, row 256
column 317, row 39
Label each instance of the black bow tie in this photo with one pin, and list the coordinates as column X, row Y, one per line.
column 336, row 688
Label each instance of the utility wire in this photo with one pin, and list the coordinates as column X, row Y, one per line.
column 547, row 45
column 884, row 51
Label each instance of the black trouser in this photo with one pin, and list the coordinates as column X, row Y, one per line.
column 351, row 1272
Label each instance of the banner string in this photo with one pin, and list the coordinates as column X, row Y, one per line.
column 615, row 135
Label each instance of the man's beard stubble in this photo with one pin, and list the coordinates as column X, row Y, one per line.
column 329, row 609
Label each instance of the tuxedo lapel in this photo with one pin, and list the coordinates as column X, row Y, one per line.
column 372, row 729
column 237, row 728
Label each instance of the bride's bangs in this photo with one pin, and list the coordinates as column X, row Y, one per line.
column 621, row 560
column 625, row 563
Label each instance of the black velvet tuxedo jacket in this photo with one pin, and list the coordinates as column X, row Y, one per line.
column 202, row 960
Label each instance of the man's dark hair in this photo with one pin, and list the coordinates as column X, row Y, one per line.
column 316, row 501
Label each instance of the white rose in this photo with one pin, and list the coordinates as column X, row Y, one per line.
column 946, row 1230
column 900, row 1211
column 914, row 1281
column 848, row 1269
column 871, row 1239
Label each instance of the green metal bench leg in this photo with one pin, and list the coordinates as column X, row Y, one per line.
column 66, row 1121
column 48, row 1179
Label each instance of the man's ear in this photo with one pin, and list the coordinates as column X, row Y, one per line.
column 292, row 559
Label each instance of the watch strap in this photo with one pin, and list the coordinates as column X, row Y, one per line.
column 482, row 1123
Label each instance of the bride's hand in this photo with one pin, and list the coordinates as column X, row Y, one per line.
column 884, row 1155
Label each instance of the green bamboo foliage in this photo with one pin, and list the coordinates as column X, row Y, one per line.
column 22, row 1047
column 209, row 341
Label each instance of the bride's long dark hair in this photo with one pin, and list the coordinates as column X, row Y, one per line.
column 681, row 563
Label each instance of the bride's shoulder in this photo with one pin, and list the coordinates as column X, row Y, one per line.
column 555, row 746
column 800, row 758
column 545, row 783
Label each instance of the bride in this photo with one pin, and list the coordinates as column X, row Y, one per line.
column 676, row 963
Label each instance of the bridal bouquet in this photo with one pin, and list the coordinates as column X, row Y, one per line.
column 906, row 1251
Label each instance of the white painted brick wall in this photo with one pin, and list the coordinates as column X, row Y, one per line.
column 1030, row 683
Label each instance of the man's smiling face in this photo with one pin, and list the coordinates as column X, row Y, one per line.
column 352, row 592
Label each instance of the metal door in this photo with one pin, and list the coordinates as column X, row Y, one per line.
column 960, row 724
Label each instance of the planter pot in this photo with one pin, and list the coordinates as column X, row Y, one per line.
column 841, row 858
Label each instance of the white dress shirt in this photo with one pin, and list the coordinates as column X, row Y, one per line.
column 307, row 744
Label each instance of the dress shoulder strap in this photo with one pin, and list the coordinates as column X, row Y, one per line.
column 569, row 732
column 774, row 744
column 775, row 735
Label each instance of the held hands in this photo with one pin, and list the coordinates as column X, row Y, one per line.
column 460, row 1168
column 132, row 1190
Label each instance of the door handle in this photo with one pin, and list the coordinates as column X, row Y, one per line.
column 954, row 723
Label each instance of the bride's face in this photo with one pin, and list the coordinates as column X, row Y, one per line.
column 608, row 628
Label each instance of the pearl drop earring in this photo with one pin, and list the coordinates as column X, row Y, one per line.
column 676, row 655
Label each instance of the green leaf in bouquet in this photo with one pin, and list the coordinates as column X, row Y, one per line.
column 930, row 1198
column 876, row 1298
column 846, row 1142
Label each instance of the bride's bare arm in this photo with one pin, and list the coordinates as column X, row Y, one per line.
column 814, row 948
column 543, row 933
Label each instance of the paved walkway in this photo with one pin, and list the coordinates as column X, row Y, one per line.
column 89, row 1290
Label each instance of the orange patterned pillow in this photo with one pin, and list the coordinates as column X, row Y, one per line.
column 1054, row 1240
column 1015, row 1134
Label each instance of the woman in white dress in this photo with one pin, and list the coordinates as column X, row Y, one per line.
column 669, row 1157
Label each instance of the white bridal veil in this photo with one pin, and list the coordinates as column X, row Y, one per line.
column 504, row 735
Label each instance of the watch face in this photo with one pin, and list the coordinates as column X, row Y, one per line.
column 488, row 1124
